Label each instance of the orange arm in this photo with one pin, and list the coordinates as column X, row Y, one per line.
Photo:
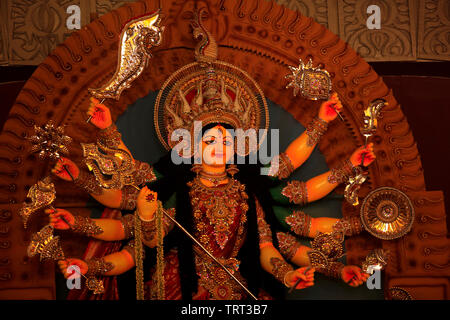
column 122, row 261
column 300, row 149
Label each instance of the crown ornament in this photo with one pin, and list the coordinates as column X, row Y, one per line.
column 210, row 91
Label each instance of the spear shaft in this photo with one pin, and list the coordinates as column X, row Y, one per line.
column 209, row 254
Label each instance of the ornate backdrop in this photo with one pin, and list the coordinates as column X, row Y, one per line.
column 411, row 30
column 261, row 38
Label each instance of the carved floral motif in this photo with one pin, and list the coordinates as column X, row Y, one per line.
column 434, row 29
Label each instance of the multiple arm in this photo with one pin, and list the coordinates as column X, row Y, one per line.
column 110, row 265
column 271, row 259
column 273, row 262
column 300, row 150
column 110, row 137
column 300, row 255
column 112, row 230
column 101, row 229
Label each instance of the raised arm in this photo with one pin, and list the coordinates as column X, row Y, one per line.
column 101, row 118
column 300, row 149
column 301, row 193
column 110, row 137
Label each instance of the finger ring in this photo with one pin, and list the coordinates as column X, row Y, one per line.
column 150, row 197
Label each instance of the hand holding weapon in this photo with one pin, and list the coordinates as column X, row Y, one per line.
column 370, row 122
column 47, row 247
column 313, row 83
column 137, row 38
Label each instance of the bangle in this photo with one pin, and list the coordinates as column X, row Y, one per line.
column 315, row 130
column 284, row 280
column 128, row 225
column 299, row 222
column 325, row 265
column 148, row 227
column 288, row 244
column 143, row 173
column 296, row 191
column 350, row 226
column 144, row 220
column 86, row 226
column 98, row 267
column 129, row 195
column 342, row 173
column 333, row 270
column 264, row 232
column 281, row 166
column 110, row 137
column 280, row 268
column 88, row 183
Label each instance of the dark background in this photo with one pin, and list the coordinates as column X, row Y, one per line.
column 422, row 89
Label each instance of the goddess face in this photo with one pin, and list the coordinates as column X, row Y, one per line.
column 217, row 146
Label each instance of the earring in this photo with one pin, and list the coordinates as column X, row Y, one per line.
column 232, row 170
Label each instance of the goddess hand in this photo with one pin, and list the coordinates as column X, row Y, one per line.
column 328, row 109
column 369, row 155
column 61, row 173
column 64, row 264
column 147, row 203
column 353, row 276
column 101, row 116
column 56, row 221
column 306, row 274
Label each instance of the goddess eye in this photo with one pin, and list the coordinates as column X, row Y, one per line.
column 208, row 142
column 227, row 143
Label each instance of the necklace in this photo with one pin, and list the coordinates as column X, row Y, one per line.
column 214, row 178
column 218, row 207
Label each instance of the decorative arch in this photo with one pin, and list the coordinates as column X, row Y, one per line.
column 262, row 38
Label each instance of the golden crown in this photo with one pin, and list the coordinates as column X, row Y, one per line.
column 210, row 91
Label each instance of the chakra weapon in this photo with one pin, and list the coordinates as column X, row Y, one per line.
column 387, row 213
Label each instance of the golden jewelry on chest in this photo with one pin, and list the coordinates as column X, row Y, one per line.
column 220, row 205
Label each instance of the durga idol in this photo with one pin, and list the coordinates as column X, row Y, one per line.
column 225, row 204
